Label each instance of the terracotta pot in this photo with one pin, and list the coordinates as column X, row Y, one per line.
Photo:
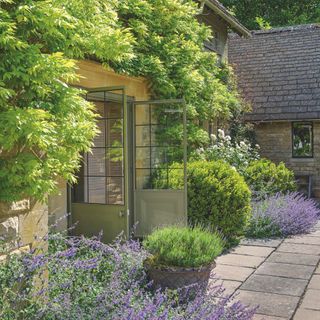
column 179, row 277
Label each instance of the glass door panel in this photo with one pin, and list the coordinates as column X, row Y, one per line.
column 99, row 200
column 160, row 159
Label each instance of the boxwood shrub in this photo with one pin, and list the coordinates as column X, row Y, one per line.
column 183, row 247
column 266, row 178
column 217, row 195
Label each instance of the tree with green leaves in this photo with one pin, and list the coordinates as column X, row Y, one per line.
column 255, row 14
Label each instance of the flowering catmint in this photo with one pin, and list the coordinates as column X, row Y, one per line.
column 81, row 278
column 288, row 214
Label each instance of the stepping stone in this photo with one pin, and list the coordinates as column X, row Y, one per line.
column 278, row 285
column 294, row 258
column 269, row 304
column 306, row 314
column 311, row 300
column 299, row 248
column 240, row 260
column 315, row 283
column 286, row 270
column 232, row 272
column 253, row 251
column 272, row 243
column 304, row 240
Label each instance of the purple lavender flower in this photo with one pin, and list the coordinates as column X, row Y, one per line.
column 288, row 214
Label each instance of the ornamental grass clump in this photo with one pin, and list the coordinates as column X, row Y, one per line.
column 89, row 280
column 283, row 215
column 183, row 247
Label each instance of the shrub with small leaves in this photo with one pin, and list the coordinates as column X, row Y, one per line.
column 266, row 178
column 183, row 246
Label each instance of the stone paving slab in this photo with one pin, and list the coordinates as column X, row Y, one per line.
column 306, row 314
column 294, row 258
column 264, row 317
column 272, row 243
column 286, row 270
column 277, row 285
column 253, row 251
column 232, row 272
column 240, row 260
column 270, row 304
column 229, row 286
column 304, row 240
column 315, row 283
column 317, row 270
column 299, row 248
column 311, row 300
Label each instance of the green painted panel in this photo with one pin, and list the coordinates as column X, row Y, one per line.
column 156, row 208
column 90, row 219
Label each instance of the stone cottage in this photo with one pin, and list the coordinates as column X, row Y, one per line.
column 278, row 73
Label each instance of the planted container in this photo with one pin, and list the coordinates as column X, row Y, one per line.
column 181, row 256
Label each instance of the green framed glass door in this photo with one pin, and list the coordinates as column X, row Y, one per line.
column 159, row 161
column 101, row 199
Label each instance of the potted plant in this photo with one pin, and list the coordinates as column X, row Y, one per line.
column 181, row 256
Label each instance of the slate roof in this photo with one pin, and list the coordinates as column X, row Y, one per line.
column 278, row 72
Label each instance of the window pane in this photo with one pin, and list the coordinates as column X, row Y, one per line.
column 302, row 140
column 97, row 189
column 96, row 162
column 99, row 139
column 142, row 114
column 113, row 110
column 143, row 157
column 143, row 178
column 114, row 162
column 115, row 190
column 115, row 133
column 142, row 136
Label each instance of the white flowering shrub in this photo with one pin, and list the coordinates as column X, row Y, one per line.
column 239, row 155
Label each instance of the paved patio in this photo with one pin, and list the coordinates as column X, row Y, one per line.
column 281, row 276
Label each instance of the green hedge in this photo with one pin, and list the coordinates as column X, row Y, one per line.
column 266, row 178
column 217, row 195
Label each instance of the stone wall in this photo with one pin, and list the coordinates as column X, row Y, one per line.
column 23, row 225
column 275, row 140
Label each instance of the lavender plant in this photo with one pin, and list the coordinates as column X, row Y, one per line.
column 283, row 215
column 91, row 280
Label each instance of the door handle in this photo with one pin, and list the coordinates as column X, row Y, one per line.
column 121, row 213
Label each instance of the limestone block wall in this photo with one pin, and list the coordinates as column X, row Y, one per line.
column 57, row 208
column 275, row 140
column 23, row 225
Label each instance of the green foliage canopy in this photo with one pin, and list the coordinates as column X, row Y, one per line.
column 276, row 13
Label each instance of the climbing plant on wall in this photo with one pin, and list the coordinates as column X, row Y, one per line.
column 169, row 51
column 45, row 124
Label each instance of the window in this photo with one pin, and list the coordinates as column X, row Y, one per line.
column 101, row 176
column 158, row 145
column 302, row 140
